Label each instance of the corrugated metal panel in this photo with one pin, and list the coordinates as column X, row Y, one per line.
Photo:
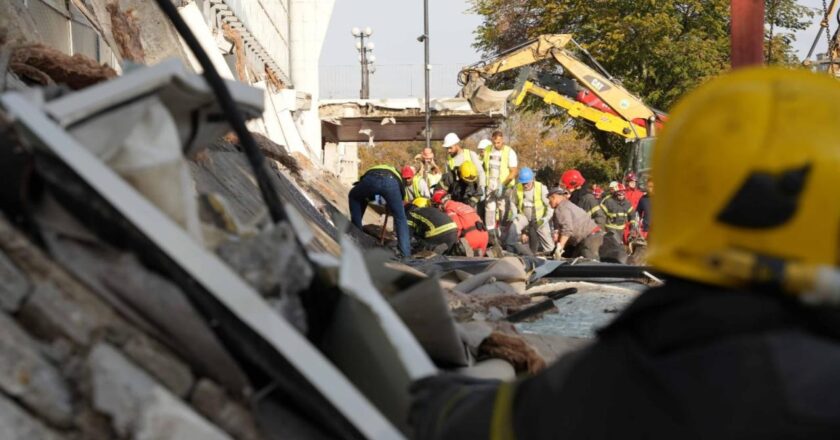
column 53, row 23
column 84, row 40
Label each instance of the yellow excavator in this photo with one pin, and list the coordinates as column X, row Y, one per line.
column 588, row 93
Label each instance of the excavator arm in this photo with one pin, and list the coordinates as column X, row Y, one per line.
column 602, row 101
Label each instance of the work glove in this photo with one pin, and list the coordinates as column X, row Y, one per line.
column 558, row 253
column 500, row 192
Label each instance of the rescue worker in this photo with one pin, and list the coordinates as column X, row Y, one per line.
column 415, row 186
column 742, row 341
column 501, row 168
column 582, row 195
column 462, row 184
column 633, row 193
column 457, row 156
column 644, row 209
column 471, row 230
column 619, row 213
column 428, row 169
column 433, row 230
column 575, row 233
column 530, row 214
column 383, row 181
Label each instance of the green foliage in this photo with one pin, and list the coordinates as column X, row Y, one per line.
column 657, row 49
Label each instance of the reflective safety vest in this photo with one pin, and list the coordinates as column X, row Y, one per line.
column 539, row 206
column 386, row 168
column 393, row 171
column 468, row 158
column 415, row 189
column 618, row 212
column 421, row 223
column 504, row 170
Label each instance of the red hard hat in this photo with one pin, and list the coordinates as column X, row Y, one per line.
column 437, row 197
column 407, row 172
column 572, row 179
column 630, row 177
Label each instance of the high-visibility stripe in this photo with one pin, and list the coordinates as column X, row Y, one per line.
column 594, row 209
column 501, row 422
column 539, row 206
column 619, row 227
column 468, row 158
column 504, row 170
column 431, row 229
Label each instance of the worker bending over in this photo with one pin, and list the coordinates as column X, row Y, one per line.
column 743, row 340
column 386, row 182
column 462, row 184
column 575, row 233
column 500, row 167
column 471, row 231
column 530, row 214
column 583, row 196
column 432, row 229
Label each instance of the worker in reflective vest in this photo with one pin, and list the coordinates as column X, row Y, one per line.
column 432, row 229
column 531, row 218
column 471, row 229
column 500, row 168
column 415, row 186
column 386, row 182
column 456, row 156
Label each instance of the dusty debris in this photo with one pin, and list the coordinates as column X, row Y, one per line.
column 273, row 80
column 271, row 150
column 514, row 349
column 238, row 51
column 40, row 63
column 126, row 32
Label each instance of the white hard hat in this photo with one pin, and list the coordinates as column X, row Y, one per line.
column 613, row 185
column 484, row 143
column 450, row 140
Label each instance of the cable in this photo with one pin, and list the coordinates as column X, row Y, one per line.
column 234, row 116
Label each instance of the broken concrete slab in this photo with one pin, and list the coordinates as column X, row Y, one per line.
column 139, row 407
column 52, row 315
column 26, row 375
column 14, row 286
column 17, row 424
column 157, row 361
column 213, row 403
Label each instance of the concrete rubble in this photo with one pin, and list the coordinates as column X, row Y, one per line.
column 146, row 293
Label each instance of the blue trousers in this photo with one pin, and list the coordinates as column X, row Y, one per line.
column 389, row 189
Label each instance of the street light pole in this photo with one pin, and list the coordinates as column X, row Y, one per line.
column 365, row 60
column 427, row 70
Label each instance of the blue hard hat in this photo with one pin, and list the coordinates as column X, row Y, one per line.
column 525, row 175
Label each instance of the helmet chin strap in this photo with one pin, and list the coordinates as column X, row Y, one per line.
column 813, row 284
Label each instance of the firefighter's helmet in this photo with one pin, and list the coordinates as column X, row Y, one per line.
column 468, row 172
column 746, row 167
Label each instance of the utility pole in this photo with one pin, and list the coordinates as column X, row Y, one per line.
column 427, row 67
column 747, row 33
column 366, row 59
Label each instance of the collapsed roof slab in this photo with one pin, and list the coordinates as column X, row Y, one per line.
column 357, row 120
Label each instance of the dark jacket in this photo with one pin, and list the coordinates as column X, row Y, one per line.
column 618, row 213
column 459, row 190
column 430, row 222
column 587, row 201
column 684, row 361
column 644, row 212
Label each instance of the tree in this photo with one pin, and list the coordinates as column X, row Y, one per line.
column 657, row 49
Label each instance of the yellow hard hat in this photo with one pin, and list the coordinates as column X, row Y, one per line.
column 747, row 165
column 468, row 172
column 421, row 202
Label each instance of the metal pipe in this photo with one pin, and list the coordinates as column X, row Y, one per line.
column 427, row 70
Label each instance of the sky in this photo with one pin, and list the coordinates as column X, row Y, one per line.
column 396, row 25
